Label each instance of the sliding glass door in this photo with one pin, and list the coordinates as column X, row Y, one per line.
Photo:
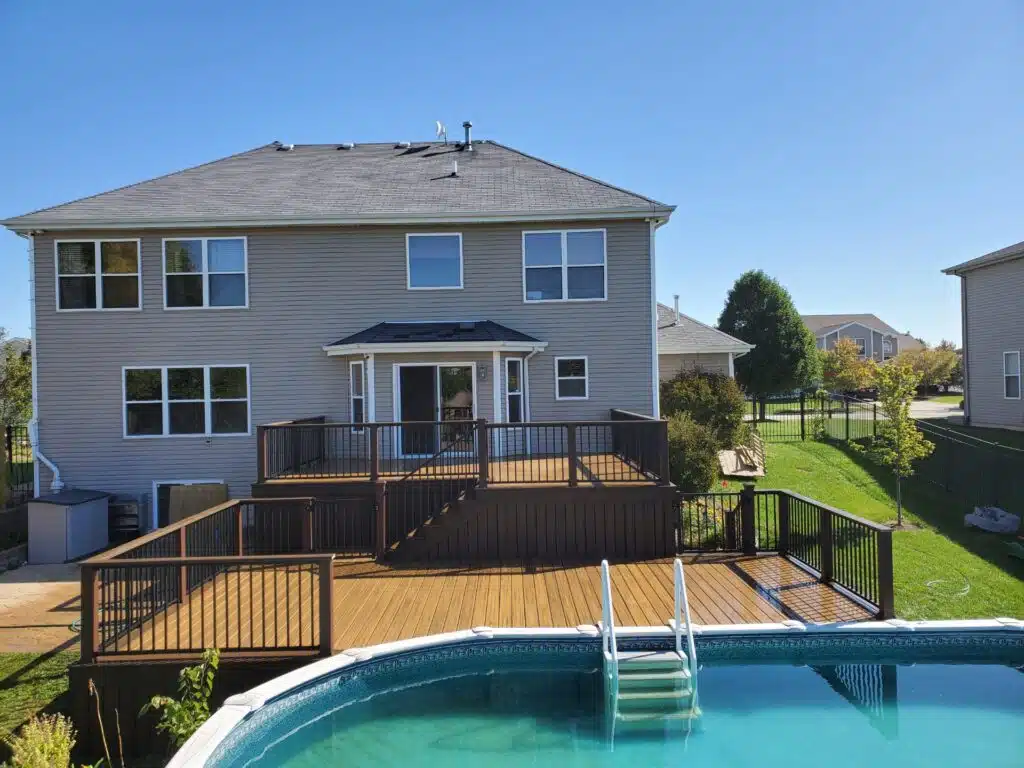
column 435, row 393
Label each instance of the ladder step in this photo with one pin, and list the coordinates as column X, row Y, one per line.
column 656, row 718
column 661, row 696
column 658, row 659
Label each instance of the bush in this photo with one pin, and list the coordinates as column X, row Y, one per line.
column 711, row 399
column 43, row 742
column 693, row 454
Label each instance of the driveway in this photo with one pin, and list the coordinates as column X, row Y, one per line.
column 930, row 409
column 37, row 605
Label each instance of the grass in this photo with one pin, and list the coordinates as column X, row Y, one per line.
column 953, row 399
column 942, row 570
column 1011, row 437
column 32, row 683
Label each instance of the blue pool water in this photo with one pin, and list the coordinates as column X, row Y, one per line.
column 546, row 708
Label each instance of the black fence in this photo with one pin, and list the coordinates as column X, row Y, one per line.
column 17, row 457
column 780, row 419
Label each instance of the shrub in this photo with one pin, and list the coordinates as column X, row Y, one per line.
column 43, row 742
column 711, row 399
column 693, row 454
column 180, row 718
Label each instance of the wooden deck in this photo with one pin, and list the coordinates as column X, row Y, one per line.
column 376, row 603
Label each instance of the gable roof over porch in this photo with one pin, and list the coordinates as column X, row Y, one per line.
column 468, row 336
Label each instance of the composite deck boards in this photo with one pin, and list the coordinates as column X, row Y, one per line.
column 375, row 603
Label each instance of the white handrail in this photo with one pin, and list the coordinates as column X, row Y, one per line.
column 608, row 644
column 682, row 605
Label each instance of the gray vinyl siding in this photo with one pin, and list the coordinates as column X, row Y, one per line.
column 857, row 331
column 670, row 365
column 995, row 324
column 309, row 287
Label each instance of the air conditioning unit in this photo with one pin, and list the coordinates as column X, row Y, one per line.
column 123, row 518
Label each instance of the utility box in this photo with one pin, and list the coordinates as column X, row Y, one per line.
column 66, row 525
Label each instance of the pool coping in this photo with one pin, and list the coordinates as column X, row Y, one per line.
column 201, row 746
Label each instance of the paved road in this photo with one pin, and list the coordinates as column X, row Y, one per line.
column 930, row 409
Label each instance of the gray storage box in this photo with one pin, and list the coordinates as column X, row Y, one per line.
column 67, row 525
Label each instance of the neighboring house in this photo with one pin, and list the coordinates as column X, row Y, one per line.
column 686, row 344
column 877, row 340
column 376, row 282
column 992, row 310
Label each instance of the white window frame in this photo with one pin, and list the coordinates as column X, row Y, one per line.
column 352, row 396
column 98, row 273
column 585, row 377
column 565, row 264
column 165, row 401
column 862, row 345
column 408, row 264
column 205, row 271
column 521, row 393
column 1018, row 375
column 887, row 355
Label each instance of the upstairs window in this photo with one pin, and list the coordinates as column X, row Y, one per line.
column 98, row 274
column 206, row 272
column 571, row 378
column 565, row 265
column 186, row 400
column 1011, row 375
column 433, row 261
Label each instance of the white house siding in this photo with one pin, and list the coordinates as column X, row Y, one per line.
column 670, row 365
column 309, row 287
column 994, row 311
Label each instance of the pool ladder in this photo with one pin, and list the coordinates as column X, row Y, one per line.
column 649, row 689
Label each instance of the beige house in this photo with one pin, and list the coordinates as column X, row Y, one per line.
column 687, row 344
column 992, row 314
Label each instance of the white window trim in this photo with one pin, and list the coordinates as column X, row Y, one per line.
column 205, row 272
column 408, row 265
column 565, row 264
column 520, row 392
column 1019, row 374
column 352, row 396
column 98, row 274
column 165, row 401
column 862, row 344
column 585, row 377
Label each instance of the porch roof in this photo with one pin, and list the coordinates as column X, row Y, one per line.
column 478, row 336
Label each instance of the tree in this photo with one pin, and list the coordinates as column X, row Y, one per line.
column 935, row 367
column 760, row 311
column 843, row 368
column 15, row 382
column 899, row 443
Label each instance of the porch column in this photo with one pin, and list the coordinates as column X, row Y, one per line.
column 732, row 368
column 496, row 386
column 371, row 389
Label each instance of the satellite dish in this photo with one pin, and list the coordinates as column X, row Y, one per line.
column 441, row 130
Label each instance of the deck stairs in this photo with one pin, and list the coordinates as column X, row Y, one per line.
column 649, row 690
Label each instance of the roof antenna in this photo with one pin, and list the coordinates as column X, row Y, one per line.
column 442, row 131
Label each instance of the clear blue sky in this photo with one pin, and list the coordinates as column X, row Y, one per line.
column 849, row 149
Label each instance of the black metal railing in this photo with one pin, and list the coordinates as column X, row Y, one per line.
column 18, row 466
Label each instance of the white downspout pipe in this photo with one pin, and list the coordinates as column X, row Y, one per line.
column 33, row 426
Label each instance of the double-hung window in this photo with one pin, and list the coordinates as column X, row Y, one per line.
column 571, row 378
column 514, row 390
column 98, row 274
column 433, row 261
column 206, row 272
column 186, row 400
column 357, row 390
column 565, row 265
column 1011, row 375
column 862, row 346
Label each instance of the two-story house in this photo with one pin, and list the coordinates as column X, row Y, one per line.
column 366, row 283
column 876, row 339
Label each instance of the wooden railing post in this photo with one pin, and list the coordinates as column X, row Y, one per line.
column 570, row 438
column 886, row 597
column 307, row 526
column 261, row 454
column 374, row 438
column 482, row 450
column 748, row 532
column 240, row 523
column 826, row 542
column 380, row 505
column 783, row 498
column 327, row 605
column 89, row 638
column 182, row 569
column 664, row 466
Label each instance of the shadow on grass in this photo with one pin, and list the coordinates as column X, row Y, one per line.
column 941, row 511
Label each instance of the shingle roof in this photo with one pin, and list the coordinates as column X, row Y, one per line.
column 822, row 324
column 692, row 336
column 320, row 182
column 1008, row 253
column 413, row 333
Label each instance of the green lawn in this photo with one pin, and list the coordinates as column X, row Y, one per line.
column 943, row 570
column 31, row 683
column 953, row 399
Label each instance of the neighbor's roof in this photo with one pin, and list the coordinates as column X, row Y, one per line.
column 1009, row 253
column 370, row 183
column 822, row 324
column 692, row 336
column 405, row 333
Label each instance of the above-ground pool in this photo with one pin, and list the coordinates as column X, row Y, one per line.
column 873, row 694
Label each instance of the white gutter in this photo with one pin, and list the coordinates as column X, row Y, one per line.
column 33, row 425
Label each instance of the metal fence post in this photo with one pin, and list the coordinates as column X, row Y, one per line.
column 847, row 401
column 886, row 597
column 327, row 605
column 748, row 531
column 803, row 425
column 783, row 522
column 874, row 419
column 826, row 542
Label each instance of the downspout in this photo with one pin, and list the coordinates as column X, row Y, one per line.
column 526, row 386
column 964, row 358
column 33, row 425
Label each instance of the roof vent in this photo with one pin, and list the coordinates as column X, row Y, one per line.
column 468, row 126
column 403, row 145
column 467, row 326
column 285, row 147
column 346, row 145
